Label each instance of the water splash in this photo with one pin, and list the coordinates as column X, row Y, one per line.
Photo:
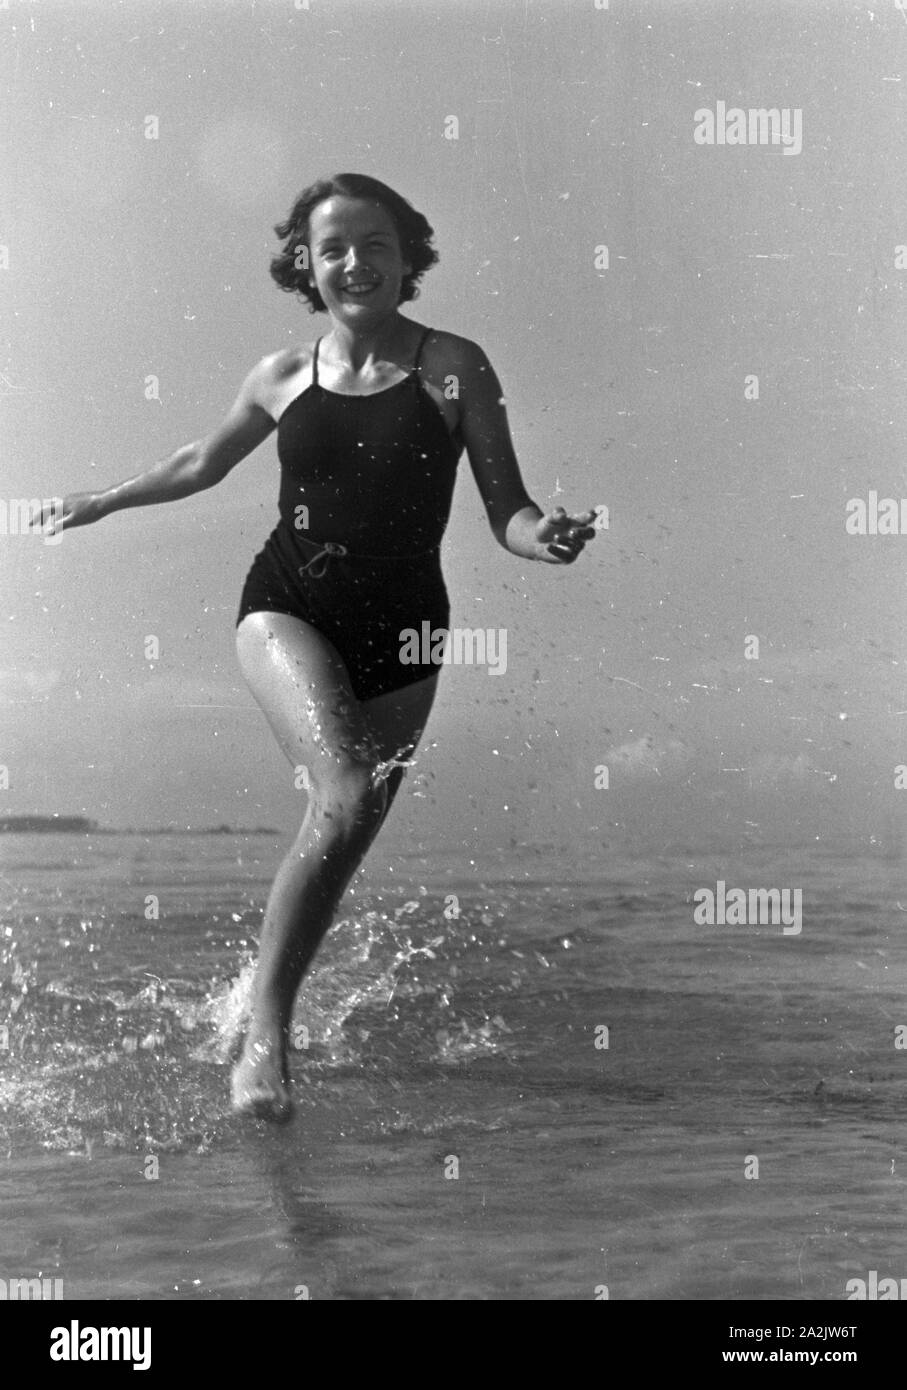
column 385, row 768
column 361, row 965
column 462, row 1043
column 105, row 1053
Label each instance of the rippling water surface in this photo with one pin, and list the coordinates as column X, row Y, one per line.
column 458, row 1133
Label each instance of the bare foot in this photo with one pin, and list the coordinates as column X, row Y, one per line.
column 259, row 1086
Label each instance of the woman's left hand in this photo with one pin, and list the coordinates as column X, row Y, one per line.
column 564, row 536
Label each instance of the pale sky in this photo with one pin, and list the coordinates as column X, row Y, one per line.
column 131, row 258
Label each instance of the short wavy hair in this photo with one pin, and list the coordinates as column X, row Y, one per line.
column 413, row 232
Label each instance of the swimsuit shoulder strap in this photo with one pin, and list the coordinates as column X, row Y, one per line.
column 419, row 349
column 315, row 363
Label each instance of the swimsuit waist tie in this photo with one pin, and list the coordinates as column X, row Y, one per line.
column 329, row 548
column 317, row 566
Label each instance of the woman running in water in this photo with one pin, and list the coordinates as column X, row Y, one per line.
column 368, row 438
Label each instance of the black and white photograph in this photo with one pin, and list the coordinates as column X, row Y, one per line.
column 453, row 717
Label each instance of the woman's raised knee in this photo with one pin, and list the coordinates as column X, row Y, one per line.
column 350, row 796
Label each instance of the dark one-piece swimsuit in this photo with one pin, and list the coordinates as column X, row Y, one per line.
column 366, row 486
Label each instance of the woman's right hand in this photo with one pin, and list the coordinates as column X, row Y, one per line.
column 60, row 513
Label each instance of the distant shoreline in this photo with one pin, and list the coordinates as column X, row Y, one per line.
column 82, row 825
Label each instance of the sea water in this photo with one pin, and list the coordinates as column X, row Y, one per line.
column 530, row 1076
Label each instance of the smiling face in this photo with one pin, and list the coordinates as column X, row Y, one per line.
column 356, row 263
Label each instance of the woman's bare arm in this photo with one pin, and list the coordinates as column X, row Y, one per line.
column 191, row 468
column 516, row 521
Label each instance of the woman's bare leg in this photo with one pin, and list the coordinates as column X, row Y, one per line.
column 303, row 688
